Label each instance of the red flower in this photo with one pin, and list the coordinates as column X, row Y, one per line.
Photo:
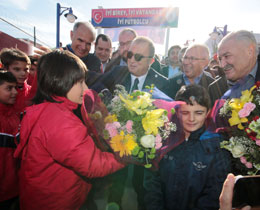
column 251, row 134
column 257, row 84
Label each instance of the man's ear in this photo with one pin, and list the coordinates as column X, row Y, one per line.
column 152, row 60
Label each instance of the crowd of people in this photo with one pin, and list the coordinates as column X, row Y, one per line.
column 49, row 159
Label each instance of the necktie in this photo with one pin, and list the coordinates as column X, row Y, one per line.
column 135, row 86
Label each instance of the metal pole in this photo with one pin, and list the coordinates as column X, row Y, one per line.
column 167, row 41
column 58, row 27
column 34, row 36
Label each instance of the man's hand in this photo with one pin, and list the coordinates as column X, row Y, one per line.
column 226, row 196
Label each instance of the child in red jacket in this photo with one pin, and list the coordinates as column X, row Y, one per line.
column 9, row 124
column 18, row 63
column 58, row 155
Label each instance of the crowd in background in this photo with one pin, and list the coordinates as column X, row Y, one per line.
column 48, row 157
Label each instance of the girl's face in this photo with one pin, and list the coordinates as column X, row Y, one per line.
column 76, row 92
column 20, row 70
column 193, row 117
column 8, row 93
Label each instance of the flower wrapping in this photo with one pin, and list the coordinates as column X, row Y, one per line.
column 133, row 127
column 244, row 133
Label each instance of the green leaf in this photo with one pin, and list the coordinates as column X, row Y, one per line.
column 153, row 150
column 151, row 156
column 148, row 165
column 141, row 154
column 106, row 134
column 136, row 151
column 173, row 111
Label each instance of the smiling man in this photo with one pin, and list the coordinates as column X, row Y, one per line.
column 237, row 54
column 82, row 37
column 195, row 60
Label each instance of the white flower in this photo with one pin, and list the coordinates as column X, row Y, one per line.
column 148, row 141
column 238, row 151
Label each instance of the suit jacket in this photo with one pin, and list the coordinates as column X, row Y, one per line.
column 177, row 82
column 165, row 71
column 121, row 75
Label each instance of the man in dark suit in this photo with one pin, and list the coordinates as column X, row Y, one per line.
column 195, row 60
column 103, row 50
column 237, row 54
column 136, row 75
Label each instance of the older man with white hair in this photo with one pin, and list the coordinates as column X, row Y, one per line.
column 238, row 53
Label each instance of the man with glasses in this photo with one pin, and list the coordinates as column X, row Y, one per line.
column 194, row 61
column 126, row 36
column 135, row 76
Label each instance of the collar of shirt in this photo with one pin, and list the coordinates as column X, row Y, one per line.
column 251, row 75
column 173, row 71
column 141, row 81
column 196, row 80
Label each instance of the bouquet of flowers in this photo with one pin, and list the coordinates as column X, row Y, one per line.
column 135, row 127
column 243, row 114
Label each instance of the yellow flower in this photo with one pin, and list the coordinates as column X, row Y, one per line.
column 110, row 119
column 236, row 120
column 138, row 106
column 151, row 122
column 123, row 144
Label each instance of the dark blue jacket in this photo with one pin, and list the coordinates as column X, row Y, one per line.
column 190, row 176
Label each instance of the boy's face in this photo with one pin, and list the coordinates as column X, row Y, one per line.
column 8, row 93
column 20, row 70
column 76, row 92
column 193, row 117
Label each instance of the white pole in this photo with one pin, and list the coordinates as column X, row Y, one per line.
column 167, row 41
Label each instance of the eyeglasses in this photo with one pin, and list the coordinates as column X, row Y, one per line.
column 192, row 58
column 122, row 44
column 137, row 56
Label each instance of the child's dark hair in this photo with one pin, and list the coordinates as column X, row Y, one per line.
column 6, row 76
column 194, row 93
column 10, row 55
column 57, row 72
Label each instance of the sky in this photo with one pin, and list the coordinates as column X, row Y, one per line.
column 197, row 18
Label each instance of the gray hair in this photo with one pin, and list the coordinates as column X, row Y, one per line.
column 242, row 35
column 204, row 48
column 128, row 30
column 88, row 25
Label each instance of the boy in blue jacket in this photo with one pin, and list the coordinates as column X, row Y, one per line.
column 191, row 175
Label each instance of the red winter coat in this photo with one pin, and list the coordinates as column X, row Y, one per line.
column 9, row 124
column 55, row 148
column 25, row 95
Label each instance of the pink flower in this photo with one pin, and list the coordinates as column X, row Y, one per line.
column 249, row 165
column 112, row 128
column 129, row 125
column 158, row 138
column 158, row 145
column 257, row 141
column 243, row 160
column 247, row 109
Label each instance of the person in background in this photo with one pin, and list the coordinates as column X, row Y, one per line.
column 191, row 175
column 173, row 68
column 32, row 70
column 126, row 36
column 58, row 155
column 195, row 60
column 18, row 63
column 103, row 50
column 9, row 130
